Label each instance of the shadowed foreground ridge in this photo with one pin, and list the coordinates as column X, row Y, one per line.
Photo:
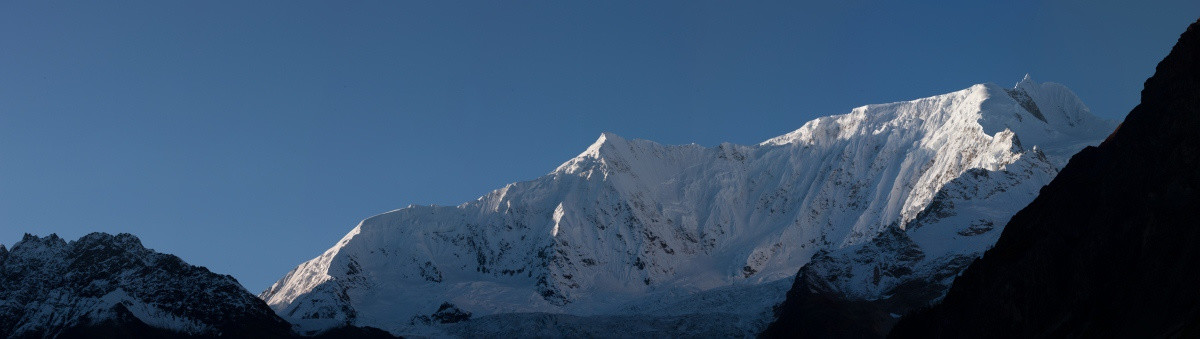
column 106, row 286
column 1111, row 248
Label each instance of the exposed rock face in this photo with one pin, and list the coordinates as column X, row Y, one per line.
column 1111, row 248
column 819, row 306
column 860, row 291
column 104, row 285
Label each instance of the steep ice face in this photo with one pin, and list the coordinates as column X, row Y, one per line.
column 963, row 219
column 631, row 220
column 965, row 214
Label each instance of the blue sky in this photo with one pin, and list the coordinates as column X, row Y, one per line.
column 249, row 137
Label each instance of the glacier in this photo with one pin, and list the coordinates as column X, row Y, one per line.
column 634, row 236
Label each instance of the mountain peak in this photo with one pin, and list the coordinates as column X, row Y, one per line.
column 608, row 149
column 122, row 240
column 51, row 240
column 606, row 139
column 1041, row 110
column 1026, row 80
column 1031, row 87
column 1057, row 106
column 1128, row 204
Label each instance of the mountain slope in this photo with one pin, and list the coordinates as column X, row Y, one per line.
column 860, row 290
column 112, row 286
column 1110, row 247
column 629, row 225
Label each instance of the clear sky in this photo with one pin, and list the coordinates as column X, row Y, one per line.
column 248, row 137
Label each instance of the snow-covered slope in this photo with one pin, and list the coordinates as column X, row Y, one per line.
column 631, row 225
column 103, row 283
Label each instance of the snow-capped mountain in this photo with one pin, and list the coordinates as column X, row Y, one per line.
column 113, row 286
column 1109, row 248
column 630, row 226
column 871, row 284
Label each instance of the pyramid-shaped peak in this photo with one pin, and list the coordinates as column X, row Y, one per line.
column 604, row 144
column 1026, row 80
column 614, row 152
column 1027, row 84
column 608, row 138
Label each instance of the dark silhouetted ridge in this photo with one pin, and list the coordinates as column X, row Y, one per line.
column 1111, row 247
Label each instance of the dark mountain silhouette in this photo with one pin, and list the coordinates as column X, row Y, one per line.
column 1111, row 247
